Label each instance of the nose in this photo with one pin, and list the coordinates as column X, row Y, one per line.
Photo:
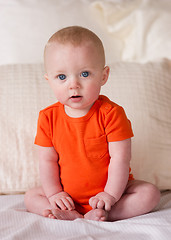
column 74, row 83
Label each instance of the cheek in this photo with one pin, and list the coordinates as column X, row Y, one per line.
column 56, row 90
column 60, row 95
column 94, row 90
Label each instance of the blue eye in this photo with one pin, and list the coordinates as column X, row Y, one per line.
column 61, row 77
column 85, row 74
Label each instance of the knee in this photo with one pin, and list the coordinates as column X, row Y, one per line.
column 28, row 197
column 150, row 194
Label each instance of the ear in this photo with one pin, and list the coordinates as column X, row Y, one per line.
column 46, row 76
column 106, row 71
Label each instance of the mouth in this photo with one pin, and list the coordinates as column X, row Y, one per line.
column 76, row 98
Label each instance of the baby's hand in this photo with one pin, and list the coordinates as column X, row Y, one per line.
column 102, row 200
column 62, row 201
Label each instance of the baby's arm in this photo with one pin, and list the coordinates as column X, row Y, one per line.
column 50, row 179
column 118, row 173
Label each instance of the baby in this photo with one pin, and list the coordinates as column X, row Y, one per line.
column 84, row 140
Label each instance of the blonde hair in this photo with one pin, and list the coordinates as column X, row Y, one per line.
column 76, row 36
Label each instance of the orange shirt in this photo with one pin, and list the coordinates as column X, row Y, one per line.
column 82, row 145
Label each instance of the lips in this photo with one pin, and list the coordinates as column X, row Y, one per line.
column 76, row 98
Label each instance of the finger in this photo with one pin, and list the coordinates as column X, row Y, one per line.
column 60, row 204
column 71, row 202
column 93, row 202
column 101, row 204
column 53, row 204
column 107, row 206
column 92, row 199
column 67, row 203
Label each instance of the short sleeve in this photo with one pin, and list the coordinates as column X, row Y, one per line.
column 117, row 125
column 43, row 136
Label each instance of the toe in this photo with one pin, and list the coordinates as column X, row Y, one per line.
column 47, row 212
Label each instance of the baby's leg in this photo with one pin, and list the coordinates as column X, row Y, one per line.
column 139, row 198
column 36, row 202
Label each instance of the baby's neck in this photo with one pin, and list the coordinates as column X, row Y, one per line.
column 76, row 113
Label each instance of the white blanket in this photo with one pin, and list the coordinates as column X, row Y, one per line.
column 16, row 223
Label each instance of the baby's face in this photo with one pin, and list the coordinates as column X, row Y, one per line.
column 75, row 74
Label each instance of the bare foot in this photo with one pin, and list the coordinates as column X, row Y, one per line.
column 97, row 215
column 62, row 214
column 48, row 213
